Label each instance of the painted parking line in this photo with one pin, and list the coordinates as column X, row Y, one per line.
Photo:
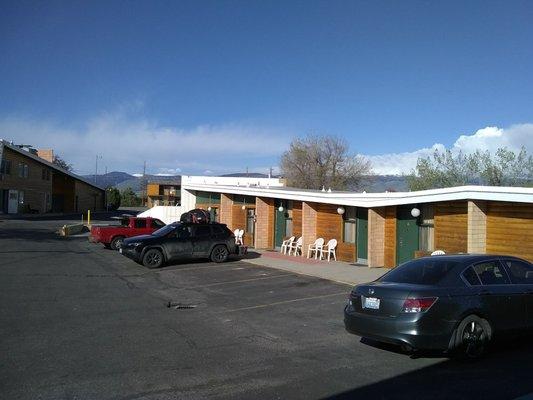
column 195, row 268
column 238, row 281
column 289, row 301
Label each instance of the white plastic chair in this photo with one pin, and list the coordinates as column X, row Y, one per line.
column 330, row 249
column 315, row 247
column 296, row 246
column 285, row 245
column 438, row 253
column 238, row 236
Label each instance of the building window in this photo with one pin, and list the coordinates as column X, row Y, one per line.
column 349, row 224
column 426, row 229
column 45, row 174
column 23, row 170
column 5, row 167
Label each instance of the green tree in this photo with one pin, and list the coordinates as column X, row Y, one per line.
column 322, row 161
column 113, row 198
column 61, row 163
column 129, row 198
column 446, row 169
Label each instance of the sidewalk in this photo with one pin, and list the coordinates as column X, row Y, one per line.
column 342, row 272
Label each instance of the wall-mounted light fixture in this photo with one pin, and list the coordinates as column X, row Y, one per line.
column 243, row 207
column 209, row 208
column 415, row 212
column 280, row 208
column 340, row 210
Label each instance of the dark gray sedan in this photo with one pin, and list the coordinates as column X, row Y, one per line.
column 451, row 303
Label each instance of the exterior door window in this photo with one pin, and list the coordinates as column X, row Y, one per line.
column 349, row 224
column 250, row 221
column 426, row 230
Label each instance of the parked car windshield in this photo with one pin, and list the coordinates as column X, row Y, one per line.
column 425, row 271
column 164, row 230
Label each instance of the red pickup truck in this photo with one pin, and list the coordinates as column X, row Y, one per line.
column 112, row 235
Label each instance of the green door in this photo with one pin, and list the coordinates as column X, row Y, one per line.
column 279, row 227
column 362, row 235
column 406, row 235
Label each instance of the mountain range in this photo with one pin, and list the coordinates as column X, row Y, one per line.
column 123, row 180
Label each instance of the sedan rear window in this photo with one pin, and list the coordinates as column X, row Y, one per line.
column 424, row 271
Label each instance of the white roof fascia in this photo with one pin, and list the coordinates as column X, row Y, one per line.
column 510, row 194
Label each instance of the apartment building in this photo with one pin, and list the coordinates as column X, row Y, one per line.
column 31, row 183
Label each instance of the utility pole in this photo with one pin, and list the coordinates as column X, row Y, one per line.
column 96, row 168
column 270, row 172
column 143, row 184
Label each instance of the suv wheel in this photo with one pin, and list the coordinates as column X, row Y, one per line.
column 116, row 243
column 219, row 254
column 153, row 258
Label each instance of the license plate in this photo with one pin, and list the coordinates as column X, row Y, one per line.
column 120, row 250
column 371, row 302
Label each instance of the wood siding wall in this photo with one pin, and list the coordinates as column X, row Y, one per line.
column 34, row 187
column 297, row 218
column 89, row 198
column 329, row 226
column 510, row 229
column 238, row 221
column 390, row 237
column 451, row 226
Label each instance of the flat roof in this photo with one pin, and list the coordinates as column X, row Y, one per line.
column 47, row 163
column 371, row 200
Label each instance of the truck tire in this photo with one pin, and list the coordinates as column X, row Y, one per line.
column 116, row 243
column 219, row 253
column 153, row 258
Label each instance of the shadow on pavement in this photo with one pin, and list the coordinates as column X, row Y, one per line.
column 504, row 373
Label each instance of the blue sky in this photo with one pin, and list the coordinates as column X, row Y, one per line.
column 200, row 86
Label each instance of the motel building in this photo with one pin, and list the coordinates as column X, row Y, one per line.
column 374, row 229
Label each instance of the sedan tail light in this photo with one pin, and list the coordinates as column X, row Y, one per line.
column 418, row 305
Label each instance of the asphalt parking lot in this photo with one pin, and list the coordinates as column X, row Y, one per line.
column 78, row 321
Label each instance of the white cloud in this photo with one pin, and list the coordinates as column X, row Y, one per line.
column 168, row 171
column 125, row 144
column 489, row 138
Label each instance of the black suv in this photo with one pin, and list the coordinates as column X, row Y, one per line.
column 179, row 241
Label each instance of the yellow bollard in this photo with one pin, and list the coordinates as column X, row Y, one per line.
column 89, row 217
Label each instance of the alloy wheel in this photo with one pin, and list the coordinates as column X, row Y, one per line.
column 153, row 258
column 220, row 253
column 474, row 338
